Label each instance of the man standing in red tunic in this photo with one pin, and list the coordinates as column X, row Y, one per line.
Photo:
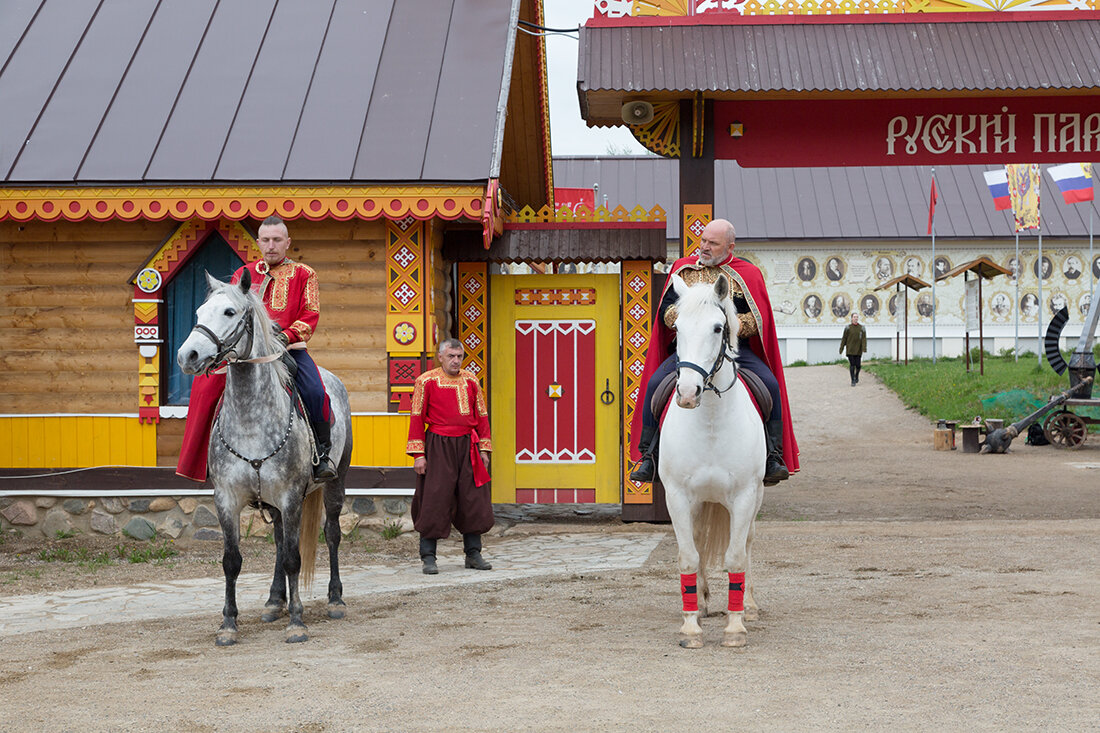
column 450, row 444
column 290, row 293
column 757, row 345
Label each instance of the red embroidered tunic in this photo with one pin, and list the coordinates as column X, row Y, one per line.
column 451, row 406
column 290, row 292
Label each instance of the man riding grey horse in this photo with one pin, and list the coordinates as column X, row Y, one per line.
column 289, row 291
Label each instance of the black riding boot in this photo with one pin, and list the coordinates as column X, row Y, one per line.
column 471, row 543
column 775, row 470
column 647, row 467
column 427, row 556
column 324, row 470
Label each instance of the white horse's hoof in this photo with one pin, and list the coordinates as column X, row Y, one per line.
column 738, row 638
column 692, row 642
column 752, row 614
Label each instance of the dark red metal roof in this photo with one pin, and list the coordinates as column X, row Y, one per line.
column 871, row 203
column 910, row 58
column 333, row 91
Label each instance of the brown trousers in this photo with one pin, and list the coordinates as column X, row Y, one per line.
column 446, row 494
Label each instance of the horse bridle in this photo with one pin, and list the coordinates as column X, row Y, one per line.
column 229, row 345
column 708, row 376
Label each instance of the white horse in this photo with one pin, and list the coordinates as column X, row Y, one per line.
column 711, row 459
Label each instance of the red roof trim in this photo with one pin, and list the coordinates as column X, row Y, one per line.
column 508, row 226
column 735, row 19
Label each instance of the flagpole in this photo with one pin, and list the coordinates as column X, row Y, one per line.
column 1016, row 338
column 1039, row 272
column 932, row 270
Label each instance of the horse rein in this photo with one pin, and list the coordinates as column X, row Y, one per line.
column 708, row 376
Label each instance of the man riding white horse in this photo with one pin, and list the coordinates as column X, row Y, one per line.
column 758, row 351
column 289, row 291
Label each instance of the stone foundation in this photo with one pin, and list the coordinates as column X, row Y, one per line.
column 163, row 517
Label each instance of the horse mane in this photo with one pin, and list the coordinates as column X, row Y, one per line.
column 263, row 331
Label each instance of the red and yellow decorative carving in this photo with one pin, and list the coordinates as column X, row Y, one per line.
column 601, row 217
column 544, row 111
column 149, row 383
column 685, row 8
column 637, row 297
column 661, row 135
column 555, row 296
column 185, row 241
column 406, row 268
column 148, row 283
column 473, row 318
column 696, row 218
column 210, row 203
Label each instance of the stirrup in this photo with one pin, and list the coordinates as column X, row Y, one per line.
column 324, row 470
column 638, row 467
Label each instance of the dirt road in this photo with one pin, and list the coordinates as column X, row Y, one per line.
column 901, row 589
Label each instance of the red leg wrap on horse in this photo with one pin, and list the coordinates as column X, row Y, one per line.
column 687, row 590
column 737, row 592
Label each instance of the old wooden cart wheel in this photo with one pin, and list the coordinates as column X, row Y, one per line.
column 1066, row 430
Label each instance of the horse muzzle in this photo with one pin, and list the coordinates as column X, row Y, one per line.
column 688, row 398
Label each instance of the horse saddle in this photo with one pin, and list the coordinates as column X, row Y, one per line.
column 759, row 393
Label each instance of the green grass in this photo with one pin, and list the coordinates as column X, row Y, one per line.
column 81, row 556
column 391, row 529
column 156, row 554
column 946, row 390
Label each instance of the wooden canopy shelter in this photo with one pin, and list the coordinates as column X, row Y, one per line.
column 910, row 282
column 985, row 269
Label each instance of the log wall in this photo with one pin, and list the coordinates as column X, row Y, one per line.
column 67, row 325
column 66, row 317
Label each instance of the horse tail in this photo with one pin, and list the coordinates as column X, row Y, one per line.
column 712, row 535
column 312, row 508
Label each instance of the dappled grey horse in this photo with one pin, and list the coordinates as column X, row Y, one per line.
column 262, row 452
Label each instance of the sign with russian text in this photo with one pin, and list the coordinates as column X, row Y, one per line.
column 862, row 132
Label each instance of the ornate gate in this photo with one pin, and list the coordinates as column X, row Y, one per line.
column 554, row 376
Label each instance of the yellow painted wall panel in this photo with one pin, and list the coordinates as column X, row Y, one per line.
column 85, row 442
column 69, row 449
column 5, row 442
column 379, row 440
column 36, row 436
column 51, row 442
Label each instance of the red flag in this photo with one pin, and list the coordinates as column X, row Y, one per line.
column 931, row 205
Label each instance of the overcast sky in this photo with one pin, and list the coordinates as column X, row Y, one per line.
column 569, row 135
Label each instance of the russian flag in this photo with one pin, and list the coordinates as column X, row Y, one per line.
column 998, row 186
column 1074, row 180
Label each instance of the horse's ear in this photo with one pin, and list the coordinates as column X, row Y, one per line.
column 722, row 287
column 678, row 284
column 212, row 282
column 246, row 280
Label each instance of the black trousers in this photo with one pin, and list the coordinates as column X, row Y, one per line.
column 854, row 365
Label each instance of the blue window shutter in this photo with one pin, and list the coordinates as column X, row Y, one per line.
column 184, row 293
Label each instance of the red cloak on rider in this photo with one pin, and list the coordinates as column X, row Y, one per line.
column 763, row 343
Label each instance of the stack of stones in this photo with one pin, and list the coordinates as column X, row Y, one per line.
column 167, row 517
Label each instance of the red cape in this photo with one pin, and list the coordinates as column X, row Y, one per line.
column 764, row 344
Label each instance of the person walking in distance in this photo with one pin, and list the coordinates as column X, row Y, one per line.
column 450, row 444
column 854, row 339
